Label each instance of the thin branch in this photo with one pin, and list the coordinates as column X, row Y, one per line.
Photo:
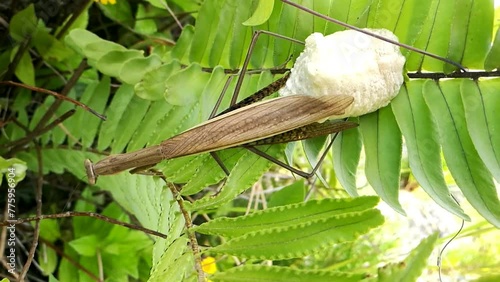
column 467, row 74
column 55, row 94
column 89, row 214
column 36, row 232
column 189, row 225
column 173, row 15
column 25, row 45
column 71, row 82
column 31, row 135
column 3, row 238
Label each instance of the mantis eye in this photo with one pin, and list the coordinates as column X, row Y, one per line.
column 89, row 167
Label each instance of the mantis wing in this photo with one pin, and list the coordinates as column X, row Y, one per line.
column 254, row 122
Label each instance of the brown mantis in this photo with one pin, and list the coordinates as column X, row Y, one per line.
column 239, row 127
column 234, row 128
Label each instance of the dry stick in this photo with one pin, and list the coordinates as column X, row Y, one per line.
column 71, row 82
column 55, row 94
column 189, row 226
column 36, row 232
column 17, row 58
column 88, row 214
column 3, row 238
column 165, row 5
column 31, row 135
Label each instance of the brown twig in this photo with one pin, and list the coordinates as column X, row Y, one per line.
column 71, row 82
column 89, row 214
column 25, row 45
column 31, row 135
column 467, row 74
column 36, row 232
column 55, row 94
column 3, row 240
column 189, row 225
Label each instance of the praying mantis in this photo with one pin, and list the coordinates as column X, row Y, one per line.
column 247, row 123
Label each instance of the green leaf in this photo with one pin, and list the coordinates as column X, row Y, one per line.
column 482, row 107
column 422, row 141
column 142, row 23
column 47, row 259
column 50, row 48
column 176, row 92
column 411, row 21
column 488, row 278
column 112, row 62
column 252, row 273
column 312, row 149
column 458, row 31
column 115, row 111
column 78, row 38
column 291, row 194
column 86, row 245
column 434, row 37
column 493, row 59
column 465, row 165
column 383, row 144
column 182, row 48
column 479, row 32
column 245, row 173
column 134, row 69
column 13, row 166
column 153, row 84
column 66, row 270
column 144, row 135
column 25, row 70
column 49, row 230
column 52, row 278
column 96, row 97
column 346, row 154
column 130, row 123
column 261, row 14
column 208, row 172
column 286, row 216
column 302, row 239
column 23, row 24
column 119, row 12
column 384, row 15
column 96, row 50
column 411, row 268
column 168, row 262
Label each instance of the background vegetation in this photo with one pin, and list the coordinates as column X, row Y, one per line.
column 156, row 68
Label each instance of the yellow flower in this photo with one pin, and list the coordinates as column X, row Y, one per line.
column 105, row 2
column 208, row 265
